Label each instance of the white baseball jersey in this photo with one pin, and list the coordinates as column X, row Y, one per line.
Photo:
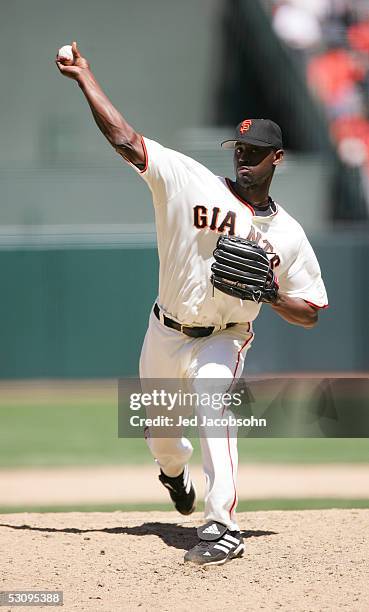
column 193, row 207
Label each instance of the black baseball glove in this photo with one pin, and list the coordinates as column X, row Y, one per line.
column 242, row 269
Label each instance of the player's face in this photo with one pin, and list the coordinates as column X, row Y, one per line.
column 252, row 164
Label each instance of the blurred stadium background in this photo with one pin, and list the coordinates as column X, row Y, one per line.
column 78, row 260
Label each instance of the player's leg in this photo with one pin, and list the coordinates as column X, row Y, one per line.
column 162, row 357
column 221, row 358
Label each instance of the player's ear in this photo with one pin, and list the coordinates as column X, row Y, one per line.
column 278, row 157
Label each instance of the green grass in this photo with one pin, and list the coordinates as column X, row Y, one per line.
column 304, row 450
column 84, row 432
column 81, row 433
column 253, row 505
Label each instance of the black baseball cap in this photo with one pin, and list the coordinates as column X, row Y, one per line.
column 260, row 132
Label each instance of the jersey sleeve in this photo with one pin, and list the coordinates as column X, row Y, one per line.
column 303, row 279
column 164, row 171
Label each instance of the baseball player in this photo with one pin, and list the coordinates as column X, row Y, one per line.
column 196, row 330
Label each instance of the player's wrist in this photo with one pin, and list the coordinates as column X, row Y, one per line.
column 85, row 78
column 278, row 300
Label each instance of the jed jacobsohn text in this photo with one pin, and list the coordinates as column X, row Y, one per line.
column 197, row 421
column 164, row 399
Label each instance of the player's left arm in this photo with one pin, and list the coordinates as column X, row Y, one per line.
column 301, row 291
column 295, row 310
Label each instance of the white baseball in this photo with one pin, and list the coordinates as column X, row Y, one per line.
column 65, row 53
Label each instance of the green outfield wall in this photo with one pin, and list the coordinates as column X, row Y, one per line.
column 83, row 313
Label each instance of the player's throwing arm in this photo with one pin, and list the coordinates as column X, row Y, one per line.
column 115, row 128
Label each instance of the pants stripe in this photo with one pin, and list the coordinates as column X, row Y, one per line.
column 229, row 447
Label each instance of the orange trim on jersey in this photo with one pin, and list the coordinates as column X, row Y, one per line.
column 230, row 187
column 145, row 154
column 316, row 305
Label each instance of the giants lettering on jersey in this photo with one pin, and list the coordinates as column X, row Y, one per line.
column 202, row 219
column 256, row 236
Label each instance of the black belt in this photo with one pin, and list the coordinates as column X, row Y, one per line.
column 194, row 332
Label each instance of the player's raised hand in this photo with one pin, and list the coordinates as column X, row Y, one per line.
column 72, row 68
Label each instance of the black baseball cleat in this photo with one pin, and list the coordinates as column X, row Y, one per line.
column 217, row 545
column 181, row 491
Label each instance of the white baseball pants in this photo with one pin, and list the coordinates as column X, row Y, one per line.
column 167, row 353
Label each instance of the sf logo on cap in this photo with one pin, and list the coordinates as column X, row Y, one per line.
column 245, row 126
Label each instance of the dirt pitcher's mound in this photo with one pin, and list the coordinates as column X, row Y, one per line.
column 311, row 561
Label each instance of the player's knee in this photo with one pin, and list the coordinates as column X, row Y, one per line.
column 215, row 370
column 212, row 378
column 163, row 449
